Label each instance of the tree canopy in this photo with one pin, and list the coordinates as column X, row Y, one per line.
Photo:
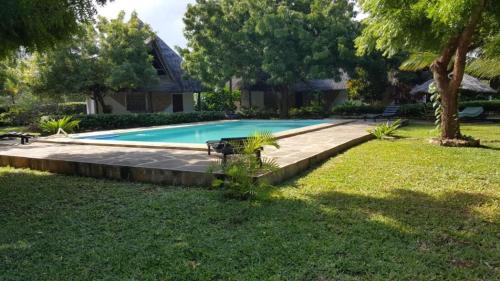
column 281, row 42
column 39, row 25
column 445, row 31
column 109, row 57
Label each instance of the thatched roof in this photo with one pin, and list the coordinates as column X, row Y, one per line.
column 172, row 63
column 469, row 83
column 322, row 85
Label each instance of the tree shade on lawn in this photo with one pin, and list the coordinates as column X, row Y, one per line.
column 449, row 28
column 384, row 210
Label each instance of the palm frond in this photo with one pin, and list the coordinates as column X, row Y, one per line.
column 484, row 67
column 418, row 61
column 258, row 140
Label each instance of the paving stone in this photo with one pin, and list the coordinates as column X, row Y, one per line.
column 176, row 166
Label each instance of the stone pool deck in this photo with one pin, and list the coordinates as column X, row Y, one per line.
column 176, row 166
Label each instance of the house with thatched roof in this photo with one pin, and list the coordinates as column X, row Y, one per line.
column 173, row 93
column 328, row 92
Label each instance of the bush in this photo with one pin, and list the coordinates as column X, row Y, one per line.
column 488, row 105
column 52, row 126
column 27, row 115
column 240, row 169
column 413, row 110
column 385, row 130
column 123, row 121
column 312, row 111
column 357, row 108
column 70, row 108
column 219, row 100
column 257, row 113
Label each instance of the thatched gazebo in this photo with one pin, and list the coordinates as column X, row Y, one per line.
column 469, row 83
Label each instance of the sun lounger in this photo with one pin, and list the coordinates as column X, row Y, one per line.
column 229, row 146
column 25, row 138
column 471, row 112
column 232, row 115
column 389, row 111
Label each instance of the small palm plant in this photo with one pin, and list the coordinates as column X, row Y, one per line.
column 53, row 126
column 240, row 170
column 385, row 130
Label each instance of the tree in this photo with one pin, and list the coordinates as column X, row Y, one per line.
column 220, row 99
column 39, row 25
column 282, row 42
column 12, row 77
column 111, row 57
column 450, row 29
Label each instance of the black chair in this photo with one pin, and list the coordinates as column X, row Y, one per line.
column 389, row 111
column 25, row 138
column 230, row 146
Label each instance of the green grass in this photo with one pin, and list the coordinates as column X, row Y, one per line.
column 385, row 210
column 12, row 129
column 21, row 129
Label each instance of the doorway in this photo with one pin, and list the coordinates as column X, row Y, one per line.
column 177, row 103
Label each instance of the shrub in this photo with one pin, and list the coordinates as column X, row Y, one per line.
column 17, row 116
column 123, row 121
column 30, row 114
column 385, row 130
column 257, row 113
column 413, row 110
column 488, row 105
column 357, row 108
column 239, row 171
column 219, row 100
column 312, row 111
column 70, row 108
column 52, row 126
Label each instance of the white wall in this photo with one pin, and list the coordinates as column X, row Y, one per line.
column 188, row 100
column 91, row 108
column 187, row 103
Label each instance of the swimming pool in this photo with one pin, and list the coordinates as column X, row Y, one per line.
column 199, row 134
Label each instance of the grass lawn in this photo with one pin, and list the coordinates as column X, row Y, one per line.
column 385, row 210
column 21, row 129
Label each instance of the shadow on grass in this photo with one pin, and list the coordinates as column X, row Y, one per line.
column 58, row 227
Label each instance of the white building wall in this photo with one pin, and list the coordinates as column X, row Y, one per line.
column 91, row 107
column 188, row 102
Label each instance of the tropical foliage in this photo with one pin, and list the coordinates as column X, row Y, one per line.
column 111, row 57
column 53, row 126
column 278, row 42
column 220, row 99
column 450, row 29
column 39, row 25
column 240, row 170
column 385, row 130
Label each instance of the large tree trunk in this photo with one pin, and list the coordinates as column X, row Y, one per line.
column 448, row 86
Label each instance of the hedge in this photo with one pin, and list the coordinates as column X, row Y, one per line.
column 411, row 110
column 18, row 116
column 124, row 121
column 488, row 105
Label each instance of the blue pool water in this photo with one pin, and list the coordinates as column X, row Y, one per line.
column 201, row 133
